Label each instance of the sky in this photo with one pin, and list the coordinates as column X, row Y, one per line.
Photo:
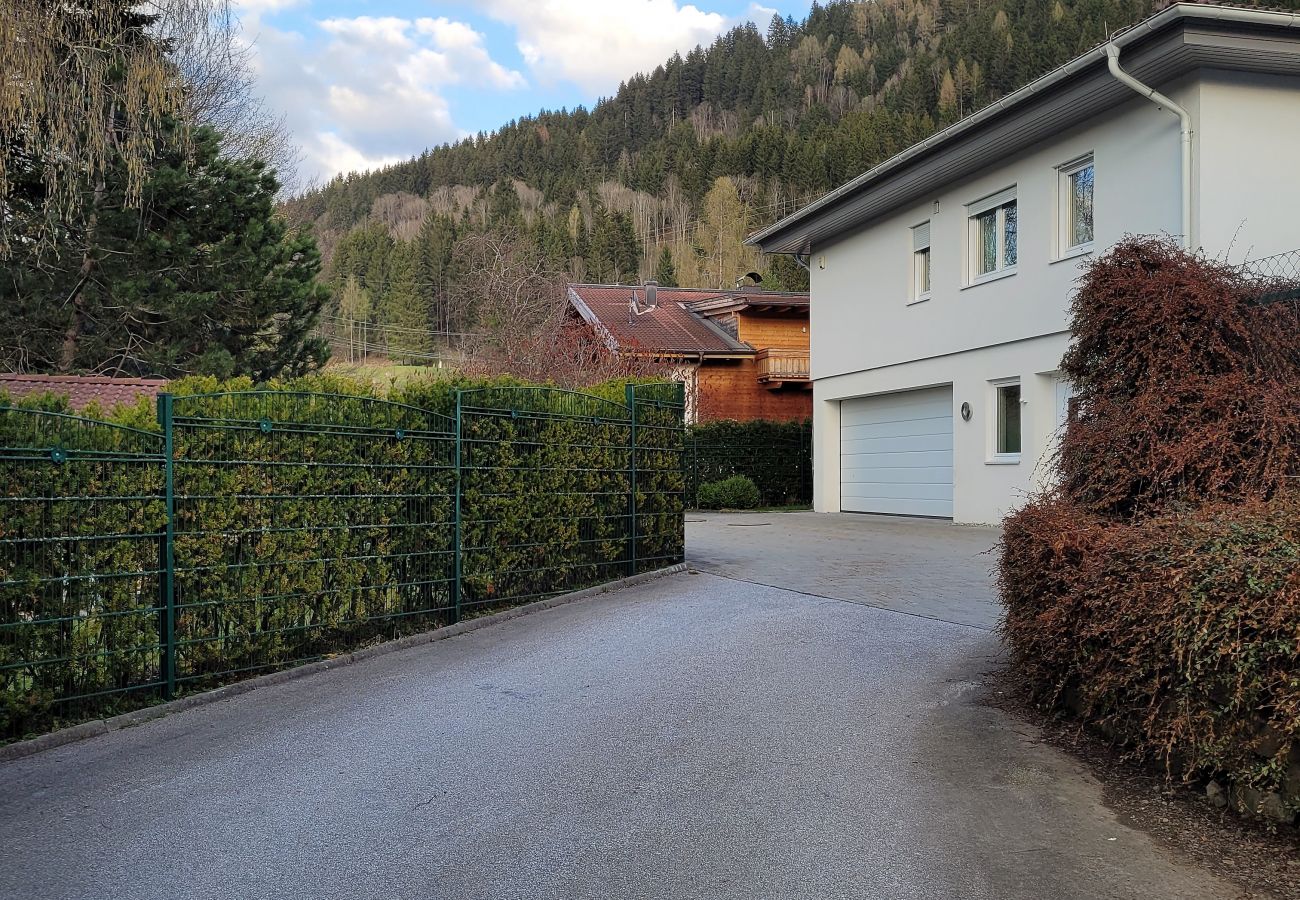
column 364, row 83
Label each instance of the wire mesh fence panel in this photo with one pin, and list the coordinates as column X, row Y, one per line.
column 776, row 456
column 81, row 532
column 1275, row 278
column 257, row 530
column 545, row 484
column 660, row 474
column 306, row 524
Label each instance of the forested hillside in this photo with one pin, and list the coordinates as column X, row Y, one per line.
column 666, row 177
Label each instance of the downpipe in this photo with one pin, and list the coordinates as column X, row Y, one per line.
column 1185, row 129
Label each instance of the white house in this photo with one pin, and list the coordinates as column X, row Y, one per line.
column 941, row 279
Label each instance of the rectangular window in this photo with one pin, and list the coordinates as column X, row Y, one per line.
column 1008, row 420
column 1075, row 203
column 994, row 235
column 921, row 262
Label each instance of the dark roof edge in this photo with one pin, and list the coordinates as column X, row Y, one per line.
column 593, row 320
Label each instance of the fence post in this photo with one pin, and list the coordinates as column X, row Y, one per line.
column 167, row 587
column 630, row 395
column 681, row 400
column 456, row 523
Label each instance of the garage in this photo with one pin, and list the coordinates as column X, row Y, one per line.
column 896, row 453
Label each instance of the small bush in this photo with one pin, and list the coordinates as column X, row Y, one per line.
column 776, row 456
column 736, row 492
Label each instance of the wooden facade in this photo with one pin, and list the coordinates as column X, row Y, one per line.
column 743, row 354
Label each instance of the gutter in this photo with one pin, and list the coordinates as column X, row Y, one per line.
column 1179, row 11
column 1185, row 132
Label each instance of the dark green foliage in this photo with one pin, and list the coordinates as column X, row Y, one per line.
column 311, row 518
column 1153, row 593
column 665, row 270
column 736, row 492
column 203, row 277
column 776, row 456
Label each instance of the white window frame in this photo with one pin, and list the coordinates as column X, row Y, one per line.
column 974, row 247
column 1065, row 208
column 922, row 260
column 995, row 456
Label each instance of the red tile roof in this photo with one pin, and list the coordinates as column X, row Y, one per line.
column 82, row 390
column 671, row 325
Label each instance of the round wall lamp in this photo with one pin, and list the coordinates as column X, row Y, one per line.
column 965, row 412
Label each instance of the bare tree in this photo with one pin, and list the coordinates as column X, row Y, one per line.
column 215, row 62
column 520, row 313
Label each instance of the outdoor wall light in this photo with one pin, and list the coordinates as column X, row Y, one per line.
column 965, row 412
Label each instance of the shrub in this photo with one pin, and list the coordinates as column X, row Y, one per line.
column 776, row 456
column 1177, row 636
column 1187, row 390
column 1154, row 591
column 736, row 492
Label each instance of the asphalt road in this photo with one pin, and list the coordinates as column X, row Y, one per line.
column 693, row 737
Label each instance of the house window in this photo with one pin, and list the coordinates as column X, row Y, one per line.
column 1007, row 439
column 993, row 236
column 1075, row 204
column 921, row 262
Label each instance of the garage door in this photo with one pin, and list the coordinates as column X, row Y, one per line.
column 896, row 453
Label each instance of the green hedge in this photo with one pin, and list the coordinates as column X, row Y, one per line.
column 776, row 456
column 310, row 519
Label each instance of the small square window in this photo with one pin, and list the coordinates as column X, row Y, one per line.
column 1008, row 420
column 994, row 235
column 1077, row 181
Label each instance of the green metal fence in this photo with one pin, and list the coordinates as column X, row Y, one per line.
column 258, row 530
column 776, row 456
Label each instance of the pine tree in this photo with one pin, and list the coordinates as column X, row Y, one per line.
column 665, row 271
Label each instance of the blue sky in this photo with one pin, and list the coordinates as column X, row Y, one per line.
column 366, row 82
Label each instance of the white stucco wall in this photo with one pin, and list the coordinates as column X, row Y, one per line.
column 867, row 339
column 1248, row 164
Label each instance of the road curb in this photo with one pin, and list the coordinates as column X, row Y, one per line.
column 96, row 727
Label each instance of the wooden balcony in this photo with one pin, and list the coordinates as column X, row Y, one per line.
column 777, row 367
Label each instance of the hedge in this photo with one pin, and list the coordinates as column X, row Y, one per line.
column 310, row 519
column 1152, row 591
column 776, row 456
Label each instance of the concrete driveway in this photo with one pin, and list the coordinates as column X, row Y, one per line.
column 696, row 736
column 923, row 567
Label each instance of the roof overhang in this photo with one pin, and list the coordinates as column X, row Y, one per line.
column 1179, row 40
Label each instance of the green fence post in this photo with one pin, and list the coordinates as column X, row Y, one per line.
column 630, row 394
column 456, row 529
column 167, row 587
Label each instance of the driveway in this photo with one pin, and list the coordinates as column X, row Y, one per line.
column 923, row 567
column 695, row 736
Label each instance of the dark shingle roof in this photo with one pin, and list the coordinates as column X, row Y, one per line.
column 82, row 390
column 671, row 325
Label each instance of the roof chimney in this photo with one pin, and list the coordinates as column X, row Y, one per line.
column 651, row 294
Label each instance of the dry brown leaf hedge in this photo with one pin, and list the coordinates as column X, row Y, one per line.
column 1154, row 592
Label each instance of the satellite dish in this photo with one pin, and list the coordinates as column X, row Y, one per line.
column 752, row 276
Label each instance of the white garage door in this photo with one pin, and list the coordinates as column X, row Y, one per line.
column 896, row 453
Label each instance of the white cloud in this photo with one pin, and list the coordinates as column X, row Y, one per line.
column 373, row 92
column 599, row 43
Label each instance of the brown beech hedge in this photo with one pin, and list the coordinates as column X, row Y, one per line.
column 1154, row 591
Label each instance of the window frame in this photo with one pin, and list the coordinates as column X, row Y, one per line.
column 922, row 262
column 998, row 203
column 1065, row 207
column 997, row 456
